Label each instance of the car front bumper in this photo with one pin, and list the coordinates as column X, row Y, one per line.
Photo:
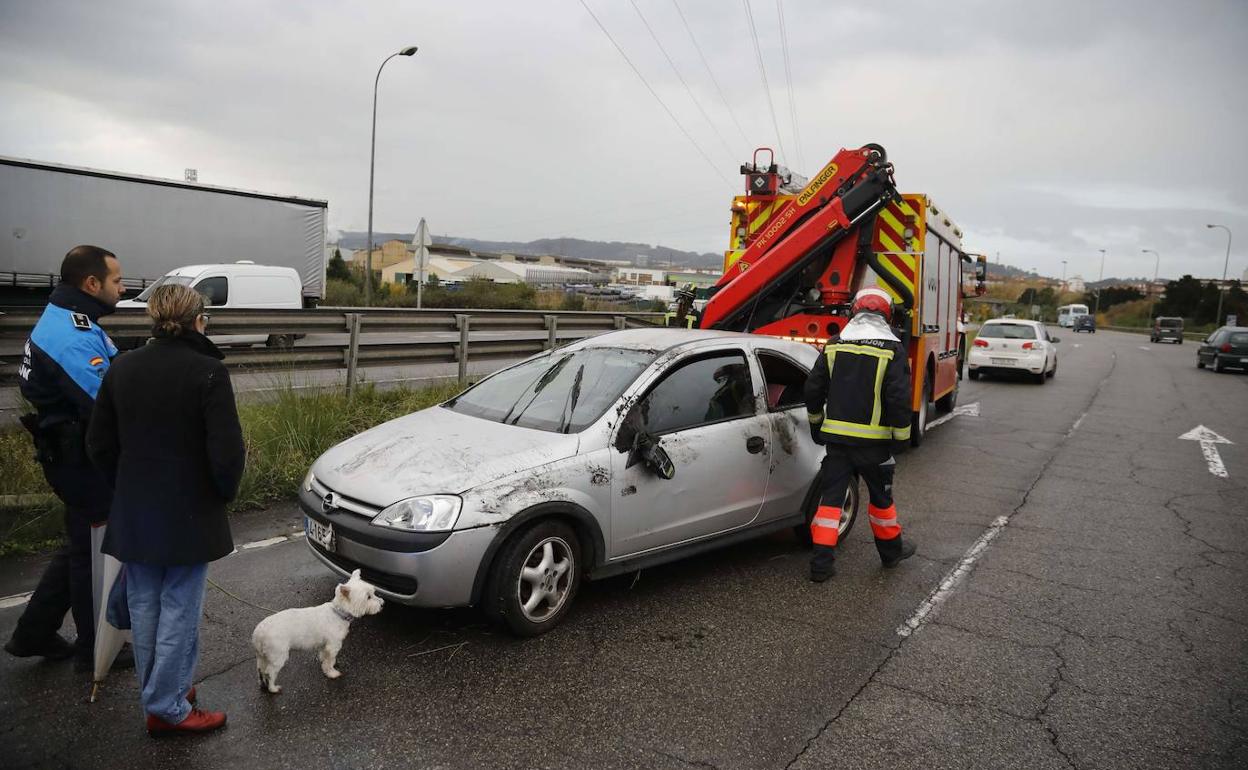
column 435, row 571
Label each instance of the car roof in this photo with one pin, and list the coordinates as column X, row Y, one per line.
column 1025, row 321
column 660, row 339
column 232, row 266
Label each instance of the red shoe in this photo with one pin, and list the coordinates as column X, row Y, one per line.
column 196, row 722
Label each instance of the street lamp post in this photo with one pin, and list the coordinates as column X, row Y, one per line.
column 1097, row 308
column 1152, row 303
column 1217, row 320
column 1063, row 275
column 372, row 157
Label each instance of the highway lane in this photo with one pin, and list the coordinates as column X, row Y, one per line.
column 1077, row 601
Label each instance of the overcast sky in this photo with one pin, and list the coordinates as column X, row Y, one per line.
column 1048, row 130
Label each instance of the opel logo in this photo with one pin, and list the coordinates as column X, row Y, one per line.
column 329, row 503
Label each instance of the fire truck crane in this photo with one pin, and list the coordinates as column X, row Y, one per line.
column 801, row 249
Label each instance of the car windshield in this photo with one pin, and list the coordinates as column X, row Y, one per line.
column 183, row 280
column 563, row 392
column 1008, row 331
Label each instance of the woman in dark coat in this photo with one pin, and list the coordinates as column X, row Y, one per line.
column 165, row 430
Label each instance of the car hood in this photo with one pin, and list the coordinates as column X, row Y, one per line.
column 435, row 451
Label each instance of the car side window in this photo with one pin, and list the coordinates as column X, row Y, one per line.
column 706, row 390
column 786, row 382
column 216, row 290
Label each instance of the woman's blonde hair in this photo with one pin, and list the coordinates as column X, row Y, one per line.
column 173, row 309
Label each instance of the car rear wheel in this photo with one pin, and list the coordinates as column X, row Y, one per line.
column 1199, row 364
column 1039, row 378
column 849, row 510
column 974, row 374
column 535, row 579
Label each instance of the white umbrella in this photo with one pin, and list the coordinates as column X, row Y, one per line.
column 108, row 638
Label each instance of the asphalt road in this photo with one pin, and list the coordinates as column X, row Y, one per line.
column 1077, row 601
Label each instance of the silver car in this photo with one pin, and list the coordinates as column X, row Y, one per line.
column 612, row 454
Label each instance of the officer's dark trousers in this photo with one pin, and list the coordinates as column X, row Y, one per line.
column 66, row 582
column 841, row 467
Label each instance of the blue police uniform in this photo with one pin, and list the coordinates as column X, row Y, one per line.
column 63, row 364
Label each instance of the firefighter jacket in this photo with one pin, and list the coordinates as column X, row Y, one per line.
column 859, row 390
column 66, row 356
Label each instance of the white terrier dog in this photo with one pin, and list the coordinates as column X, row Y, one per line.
column 322, row 628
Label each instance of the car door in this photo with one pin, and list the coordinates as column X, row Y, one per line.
column 704, row 410
column 795, row 458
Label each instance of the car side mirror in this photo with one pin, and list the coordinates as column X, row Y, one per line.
column 656, row 459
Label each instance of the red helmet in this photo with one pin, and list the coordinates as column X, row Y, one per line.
column 873, row 300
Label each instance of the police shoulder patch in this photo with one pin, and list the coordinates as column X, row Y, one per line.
column 81, row 321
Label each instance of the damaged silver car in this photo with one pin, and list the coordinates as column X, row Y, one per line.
column 612, row 454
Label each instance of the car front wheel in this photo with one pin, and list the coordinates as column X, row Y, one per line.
column 535, row 579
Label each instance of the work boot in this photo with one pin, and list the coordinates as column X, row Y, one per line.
column 53, row 648
column 897, row 554
column 196, row 722
column 822, row 576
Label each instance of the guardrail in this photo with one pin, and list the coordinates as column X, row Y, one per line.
column 1196, row 336
column 17, row 324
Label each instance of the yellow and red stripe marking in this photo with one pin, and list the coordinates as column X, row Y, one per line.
column 899, row 254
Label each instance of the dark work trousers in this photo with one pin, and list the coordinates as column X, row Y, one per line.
column 66, row 582
column 841, row 467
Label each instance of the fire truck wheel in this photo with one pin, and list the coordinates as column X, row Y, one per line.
column 947, row 402
column 918, row 425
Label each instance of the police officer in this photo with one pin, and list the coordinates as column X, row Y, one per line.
column 62, row 366
column 858, row 403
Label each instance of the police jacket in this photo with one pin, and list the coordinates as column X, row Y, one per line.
column 166, row 432
column 66, row 357
column 859, row 390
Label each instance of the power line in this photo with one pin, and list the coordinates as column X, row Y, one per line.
column 679, row 77
column 655, row 94
column 707, row 64
column 788, row 76
column 758, row 52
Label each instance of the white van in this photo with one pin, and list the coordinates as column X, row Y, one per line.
column 241, row 284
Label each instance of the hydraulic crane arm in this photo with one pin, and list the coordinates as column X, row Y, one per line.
column 802, row 231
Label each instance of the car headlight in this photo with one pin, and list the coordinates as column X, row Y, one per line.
column 428, row 513
column 307, row 481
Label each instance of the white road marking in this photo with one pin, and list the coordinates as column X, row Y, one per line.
column 16, row 600
column 1144, row 347
column 955, row 576
column 1075, row 427
column 970, row 410
column 264, row 543
column 1077, row 345
column 1208, row 447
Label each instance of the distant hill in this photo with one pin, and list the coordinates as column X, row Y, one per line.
column 658, row 256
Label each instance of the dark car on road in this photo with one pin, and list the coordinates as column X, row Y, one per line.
column 1226, row 347
column 1085, row 323
column 1165, row 328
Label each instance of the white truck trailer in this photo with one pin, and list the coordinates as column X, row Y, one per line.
column 153, row 225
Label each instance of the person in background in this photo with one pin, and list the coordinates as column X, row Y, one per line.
column 166, row 432
column 63, row 363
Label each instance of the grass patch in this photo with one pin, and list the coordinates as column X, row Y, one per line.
column 284, row 435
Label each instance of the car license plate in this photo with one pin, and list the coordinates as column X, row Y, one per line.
column 321, row 534
column 1003, row 361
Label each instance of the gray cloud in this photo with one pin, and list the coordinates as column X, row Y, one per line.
column 1049, row 130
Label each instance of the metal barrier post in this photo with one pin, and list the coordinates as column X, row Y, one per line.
column 619, row 322
column 552, row 332
column 461, row 322
column 353, row 351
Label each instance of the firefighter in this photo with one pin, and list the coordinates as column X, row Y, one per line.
column 62, row 367
column 858, row 404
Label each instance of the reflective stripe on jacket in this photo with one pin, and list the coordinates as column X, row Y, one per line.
column 859, row 392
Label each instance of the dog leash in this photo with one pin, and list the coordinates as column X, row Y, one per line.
column 236, row 597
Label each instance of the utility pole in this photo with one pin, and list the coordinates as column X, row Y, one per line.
column 1217, row 320
column 1152, row 303
column 1099, row 289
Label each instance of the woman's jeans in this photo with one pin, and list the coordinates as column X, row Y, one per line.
column 165, row 607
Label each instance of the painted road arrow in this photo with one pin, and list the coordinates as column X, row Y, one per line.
column 1208, row 447
column 970, row 410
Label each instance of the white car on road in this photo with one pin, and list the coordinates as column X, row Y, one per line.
column 1013, row 345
